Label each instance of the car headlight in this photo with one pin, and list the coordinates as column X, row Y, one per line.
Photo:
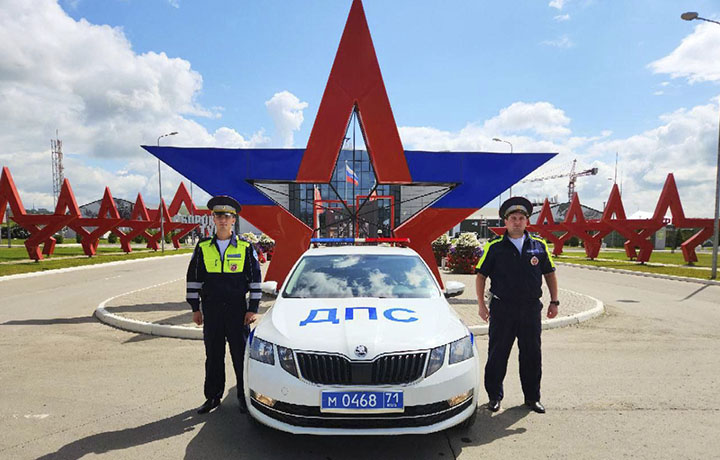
column 287, row 360
column 460, row 350
column 437, row 357
column 262, row 350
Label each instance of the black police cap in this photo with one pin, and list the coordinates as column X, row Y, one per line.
column 516, row 203
column 224, row 203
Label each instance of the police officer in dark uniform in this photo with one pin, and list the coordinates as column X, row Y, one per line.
column 223, row 269
column 516, row 263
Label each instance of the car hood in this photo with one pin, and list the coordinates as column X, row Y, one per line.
column 341, row 325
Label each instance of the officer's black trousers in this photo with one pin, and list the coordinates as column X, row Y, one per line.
column 506, row 323
column 223, row 322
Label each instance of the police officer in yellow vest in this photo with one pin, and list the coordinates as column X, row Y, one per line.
column 223, row 269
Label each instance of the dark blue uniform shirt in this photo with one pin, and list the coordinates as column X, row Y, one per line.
column 516, row 276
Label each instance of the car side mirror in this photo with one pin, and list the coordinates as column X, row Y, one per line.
column 454, row 288
column 269, row 288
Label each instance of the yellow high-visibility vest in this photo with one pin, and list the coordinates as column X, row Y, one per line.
column 234, row 257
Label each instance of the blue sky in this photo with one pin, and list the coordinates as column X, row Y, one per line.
column 583, row 78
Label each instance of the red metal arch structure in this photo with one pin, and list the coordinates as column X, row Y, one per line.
column 67, row 214
column 636, row 231
column 41, row 227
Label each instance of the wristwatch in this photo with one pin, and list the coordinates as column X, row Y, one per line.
column 554, row 302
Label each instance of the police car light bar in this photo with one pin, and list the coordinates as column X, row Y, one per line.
column 360, row 240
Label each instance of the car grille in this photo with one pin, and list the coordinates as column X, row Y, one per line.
column 338, row 370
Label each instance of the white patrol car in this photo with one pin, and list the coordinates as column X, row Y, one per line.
column 361, row 341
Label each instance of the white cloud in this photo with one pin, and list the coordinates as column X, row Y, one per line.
column 684, row 143
column 541, row 117
column 562, row 17
column 658, row 93
column 558, row 4
column 106, row 100
column 697, row 58
column 286, row 111
column 174, row 3
column 561, row 42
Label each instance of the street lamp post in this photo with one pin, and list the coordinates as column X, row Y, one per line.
column 7, row 220
column 689, row 16
column 497, row 139
column 160, row 208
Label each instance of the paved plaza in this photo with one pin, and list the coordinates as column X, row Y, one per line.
column 639, row 381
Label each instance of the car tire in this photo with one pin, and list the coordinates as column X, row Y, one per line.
column 255, row 423
column 468, row 422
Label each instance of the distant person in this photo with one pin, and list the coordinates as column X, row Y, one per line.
column 516, row 264
column 223, row 269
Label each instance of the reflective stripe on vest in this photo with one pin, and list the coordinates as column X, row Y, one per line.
column 234, row 257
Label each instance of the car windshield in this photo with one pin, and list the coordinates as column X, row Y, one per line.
column 358, row 275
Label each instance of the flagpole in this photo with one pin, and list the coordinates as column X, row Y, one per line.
column 354, row 230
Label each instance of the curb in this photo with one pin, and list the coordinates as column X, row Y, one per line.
column 554, row 323
column 645, row 274
column 160, row 330
column 83, row 267
column 132, row 325
column 196, row 333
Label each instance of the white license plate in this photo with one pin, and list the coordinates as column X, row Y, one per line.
column 362, row 401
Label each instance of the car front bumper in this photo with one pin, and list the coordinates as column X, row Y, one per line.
column 295, row 406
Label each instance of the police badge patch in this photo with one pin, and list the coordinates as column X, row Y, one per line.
column 233, row 267
column 534, row 260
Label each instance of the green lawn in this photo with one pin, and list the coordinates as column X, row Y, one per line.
column 18, row 251
column 102, row 257
column 676, row 270
column 658, row 257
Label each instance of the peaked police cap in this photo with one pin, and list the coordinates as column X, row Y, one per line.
column 514, row 204
column 224, row 203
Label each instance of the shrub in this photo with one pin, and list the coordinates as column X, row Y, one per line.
column 465, row 253
column 440, row 247
column 250, row 237
column 112, row 238
column 59, row 238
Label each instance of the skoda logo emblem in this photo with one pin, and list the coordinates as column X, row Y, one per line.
column 360, row 351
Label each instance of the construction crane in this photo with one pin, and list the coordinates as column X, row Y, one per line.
column 573, row 177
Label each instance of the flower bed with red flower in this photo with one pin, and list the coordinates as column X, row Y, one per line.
column 464, row 254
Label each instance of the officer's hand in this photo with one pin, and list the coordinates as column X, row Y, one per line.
column 250, row 317
column 552, row 311
column 197, row 318
column 483, row 312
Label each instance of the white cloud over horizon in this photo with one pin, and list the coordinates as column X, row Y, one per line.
column 683, row 143
column 105, row 100
column 286, row 111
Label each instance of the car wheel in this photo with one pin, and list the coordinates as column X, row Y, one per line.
column 468, row 422
column 255, row 423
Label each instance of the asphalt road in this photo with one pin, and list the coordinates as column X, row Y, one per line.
column 642, row 381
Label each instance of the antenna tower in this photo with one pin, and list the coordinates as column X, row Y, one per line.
column 58, row 171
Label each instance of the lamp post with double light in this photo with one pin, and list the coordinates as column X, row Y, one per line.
column 497, row 139
column 689, row 16
column 160, row 208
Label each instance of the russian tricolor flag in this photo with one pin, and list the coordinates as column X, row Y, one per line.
column 350, row 175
